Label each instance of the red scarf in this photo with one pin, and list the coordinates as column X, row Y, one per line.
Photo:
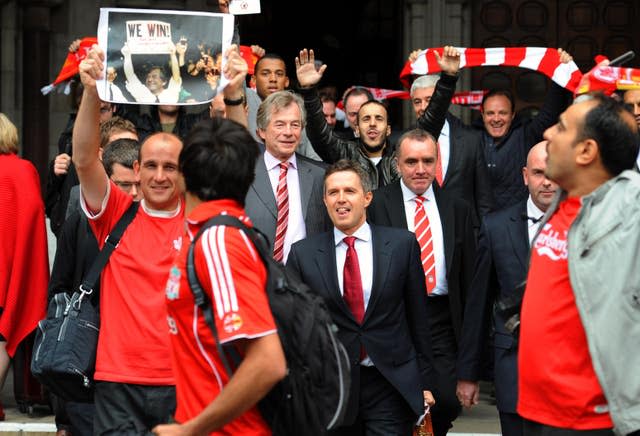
column 542, row 59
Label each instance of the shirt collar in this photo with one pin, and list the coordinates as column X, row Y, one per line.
column 445, row 129
column 363, row 233
column 533, row 211
column 409, row 195
column 272, row 162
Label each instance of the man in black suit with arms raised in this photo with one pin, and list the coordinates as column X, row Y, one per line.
column 448, row 254
column 372, row 282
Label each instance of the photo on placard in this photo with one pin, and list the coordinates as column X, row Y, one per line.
column 162, row 57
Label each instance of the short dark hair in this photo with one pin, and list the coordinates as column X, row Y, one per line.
column 115, row 124
column 218, row 160
column 122, row 151
column 272, row 56
column 353, row 166
column 355, row 91
column 376, row 102
column 417, row 135
column 503, row 92
column 616, row 137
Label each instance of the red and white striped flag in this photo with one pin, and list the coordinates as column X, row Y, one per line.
column 471, row 99
column 379, row 94
column 542, row 59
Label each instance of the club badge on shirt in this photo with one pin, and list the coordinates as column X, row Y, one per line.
column 232, row 322
column 173, row 284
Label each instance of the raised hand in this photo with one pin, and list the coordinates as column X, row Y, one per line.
column 565, row 57
column 413, row 56
column 306, row 69
column 449, row 62
column 92, row 67
column 235, row 70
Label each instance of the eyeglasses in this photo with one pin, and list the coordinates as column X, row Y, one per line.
column 126, row 186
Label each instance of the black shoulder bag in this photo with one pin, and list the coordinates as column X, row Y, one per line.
column 64, row 351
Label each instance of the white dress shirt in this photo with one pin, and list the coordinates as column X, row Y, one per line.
column 431, row 208
column 445, row 148
column 364, row 248
column 296, row 229
column 533, row 212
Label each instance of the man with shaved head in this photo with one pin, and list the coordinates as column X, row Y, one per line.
column 501, row 267
column 577, row 373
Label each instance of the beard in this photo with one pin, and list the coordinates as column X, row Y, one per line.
column 373, row 148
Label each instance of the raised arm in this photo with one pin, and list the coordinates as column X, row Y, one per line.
column 235, row 70
column 175, row 65
column 329, row 147
column 86, row 133
column 434, row 117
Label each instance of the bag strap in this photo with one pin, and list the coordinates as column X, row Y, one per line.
column 112, row 241
column 201, row 299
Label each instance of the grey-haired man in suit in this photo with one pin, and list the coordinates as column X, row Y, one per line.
column 283, row 174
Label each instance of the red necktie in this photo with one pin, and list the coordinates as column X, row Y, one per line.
column 422, row 230
column 282, row 201
column 352, row 282
column 439, row 175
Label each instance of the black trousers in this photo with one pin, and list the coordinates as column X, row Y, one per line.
column 532, row 428
column 128, row 409
column 511, row 424
column 445, row 350
column 382, row 411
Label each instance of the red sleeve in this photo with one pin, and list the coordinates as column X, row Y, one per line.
column 116, row 205
column 235, row 278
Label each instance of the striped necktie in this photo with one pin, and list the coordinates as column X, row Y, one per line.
column 282, row 201
column 422, row 230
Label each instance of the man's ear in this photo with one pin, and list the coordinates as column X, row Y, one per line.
column 588, row 152
column 261, row 134
column 136, row 167
column 286, row 82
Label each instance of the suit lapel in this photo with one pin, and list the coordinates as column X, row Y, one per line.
column 325, row 258
column 447, row 220
column 381, row 261
column 519, row 234
column 395, row 206
column 305, row 182
column 262, row 187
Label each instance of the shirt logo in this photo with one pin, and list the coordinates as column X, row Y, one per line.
column 552, row 244
column 177, row 243
column 232, row 323
column 173, row 284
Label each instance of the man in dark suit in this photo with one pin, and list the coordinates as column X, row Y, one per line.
column 501, row 268
column 372, row 282
column 464, row 170
column 448, row 254
column 282, row 174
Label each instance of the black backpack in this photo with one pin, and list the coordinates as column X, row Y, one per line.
column 312, row 398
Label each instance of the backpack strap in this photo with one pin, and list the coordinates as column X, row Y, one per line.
column 201, row 299
column 112, row 241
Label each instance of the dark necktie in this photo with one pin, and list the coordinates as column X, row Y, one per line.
column 352, row 282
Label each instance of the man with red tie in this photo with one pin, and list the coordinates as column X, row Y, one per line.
column 285, row 199
column 372, row 282
column 443, row 226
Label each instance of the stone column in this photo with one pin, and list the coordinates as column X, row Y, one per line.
column 35, row 69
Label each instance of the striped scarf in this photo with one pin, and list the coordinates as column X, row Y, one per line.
column 541, row 59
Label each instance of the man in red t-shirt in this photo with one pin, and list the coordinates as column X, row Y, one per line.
column 134, row 375
column 575, row 325
column 218, row 167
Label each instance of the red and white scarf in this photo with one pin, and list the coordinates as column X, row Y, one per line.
column 542, row 59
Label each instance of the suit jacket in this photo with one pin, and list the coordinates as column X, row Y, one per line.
column 387, row 209
column 501, row 267
column 466, row 175
column 261, row 206
column 395, row 331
